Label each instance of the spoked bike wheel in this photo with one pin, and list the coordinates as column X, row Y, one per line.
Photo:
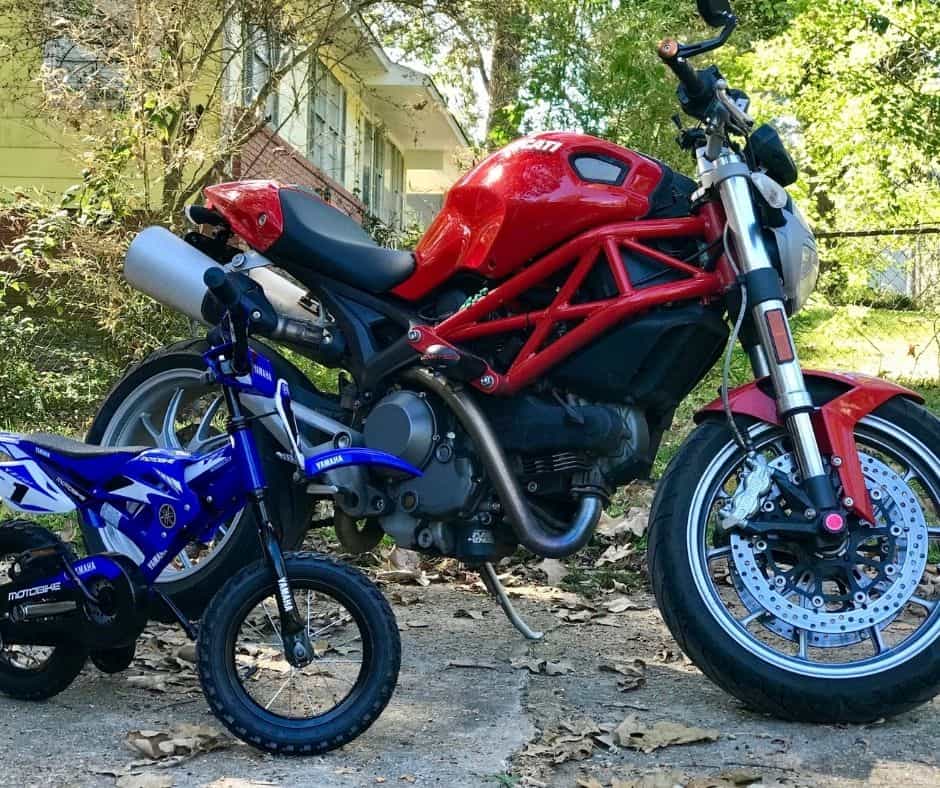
column 843, row 634
column 32, row 672
column 274, row 706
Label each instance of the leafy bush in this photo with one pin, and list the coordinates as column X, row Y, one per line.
column 70, row 323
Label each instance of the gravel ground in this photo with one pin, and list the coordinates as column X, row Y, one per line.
column 486, row 724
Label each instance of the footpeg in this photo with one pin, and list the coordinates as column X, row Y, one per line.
column 491, row 581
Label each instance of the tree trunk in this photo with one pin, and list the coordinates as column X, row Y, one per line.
column 506, row 79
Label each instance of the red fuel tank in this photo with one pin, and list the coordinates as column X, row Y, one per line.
column 527, row 198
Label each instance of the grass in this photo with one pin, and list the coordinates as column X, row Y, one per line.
column 901, row 346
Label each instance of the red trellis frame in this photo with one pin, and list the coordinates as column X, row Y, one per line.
column 585, row 251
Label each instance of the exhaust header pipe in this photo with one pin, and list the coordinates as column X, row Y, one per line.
column 529, row 530
column 170, row 271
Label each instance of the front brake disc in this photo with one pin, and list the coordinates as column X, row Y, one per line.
column 839, row 620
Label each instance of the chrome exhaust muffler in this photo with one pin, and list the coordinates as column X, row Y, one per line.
column 169, row 270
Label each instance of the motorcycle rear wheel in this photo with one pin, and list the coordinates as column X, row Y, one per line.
column 135, row 413
column 833, row 670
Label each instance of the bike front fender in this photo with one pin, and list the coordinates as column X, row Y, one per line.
column 842, row 399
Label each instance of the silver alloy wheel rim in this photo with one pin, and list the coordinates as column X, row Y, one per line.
column 144, row 413
column 874, row 431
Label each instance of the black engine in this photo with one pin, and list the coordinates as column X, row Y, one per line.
column 558, row 446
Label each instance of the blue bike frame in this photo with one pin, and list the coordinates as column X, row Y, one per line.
column 162, row 499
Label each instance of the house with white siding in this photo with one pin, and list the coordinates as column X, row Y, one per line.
column 372, row 136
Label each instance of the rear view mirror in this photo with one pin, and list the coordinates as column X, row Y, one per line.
column 715, row 12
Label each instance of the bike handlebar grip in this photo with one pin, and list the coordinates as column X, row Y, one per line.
column 221, row 287
column 199, row 214
column 668, row 52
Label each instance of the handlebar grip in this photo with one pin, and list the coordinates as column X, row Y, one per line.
column 221, row 287
column 668, row 52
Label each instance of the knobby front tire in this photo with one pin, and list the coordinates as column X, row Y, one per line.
column 229, row 670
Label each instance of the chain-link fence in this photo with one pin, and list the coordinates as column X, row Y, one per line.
column 897, row 267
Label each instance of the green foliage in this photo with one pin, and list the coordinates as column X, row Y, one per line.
column 856, row 83
column 69, row 323
column 391, row 235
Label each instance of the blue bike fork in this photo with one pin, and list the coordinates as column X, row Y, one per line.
column 297, row 647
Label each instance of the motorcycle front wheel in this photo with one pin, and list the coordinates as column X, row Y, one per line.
column 164, row 401
column 842, row 635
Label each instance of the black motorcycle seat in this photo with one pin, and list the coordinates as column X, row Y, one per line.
column 318, row 238
column 73, row 448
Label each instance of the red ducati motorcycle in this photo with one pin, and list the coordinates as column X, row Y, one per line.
column 528, row 356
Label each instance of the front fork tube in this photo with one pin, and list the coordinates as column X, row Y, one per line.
column 774, row 353
column 293, row 631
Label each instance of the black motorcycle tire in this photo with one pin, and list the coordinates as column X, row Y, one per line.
column 381, row 646
column 759, row 684
column 293, row 508
column 66, row 661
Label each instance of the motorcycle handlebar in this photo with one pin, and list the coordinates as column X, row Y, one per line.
column 668, row 52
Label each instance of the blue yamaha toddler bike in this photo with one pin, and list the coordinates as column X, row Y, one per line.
column 296, row 653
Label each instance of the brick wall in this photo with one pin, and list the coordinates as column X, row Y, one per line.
column 267, row 155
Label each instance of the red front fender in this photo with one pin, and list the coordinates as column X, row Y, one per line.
column 834, row 421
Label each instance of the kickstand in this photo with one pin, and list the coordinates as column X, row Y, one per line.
column 178, row 614
column 491, row 581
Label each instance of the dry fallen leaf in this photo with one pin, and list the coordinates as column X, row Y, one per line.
column 620, row 604
column 184, row 739
column 583, row 726
column 476, row 615
column 404, row 576
column 187, row 652
column 554, row 570
column 645, row 737
column 529, row 663
column 632, row 674
column 575, row 616
column 588, row 782
column 614, row 554
column 658, row 779
column 572, row 749
column 634, row 522
column 533, row 665
column 400, row 558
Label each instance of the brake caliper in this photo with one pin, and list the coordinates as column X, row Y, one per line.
column 754, row 483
